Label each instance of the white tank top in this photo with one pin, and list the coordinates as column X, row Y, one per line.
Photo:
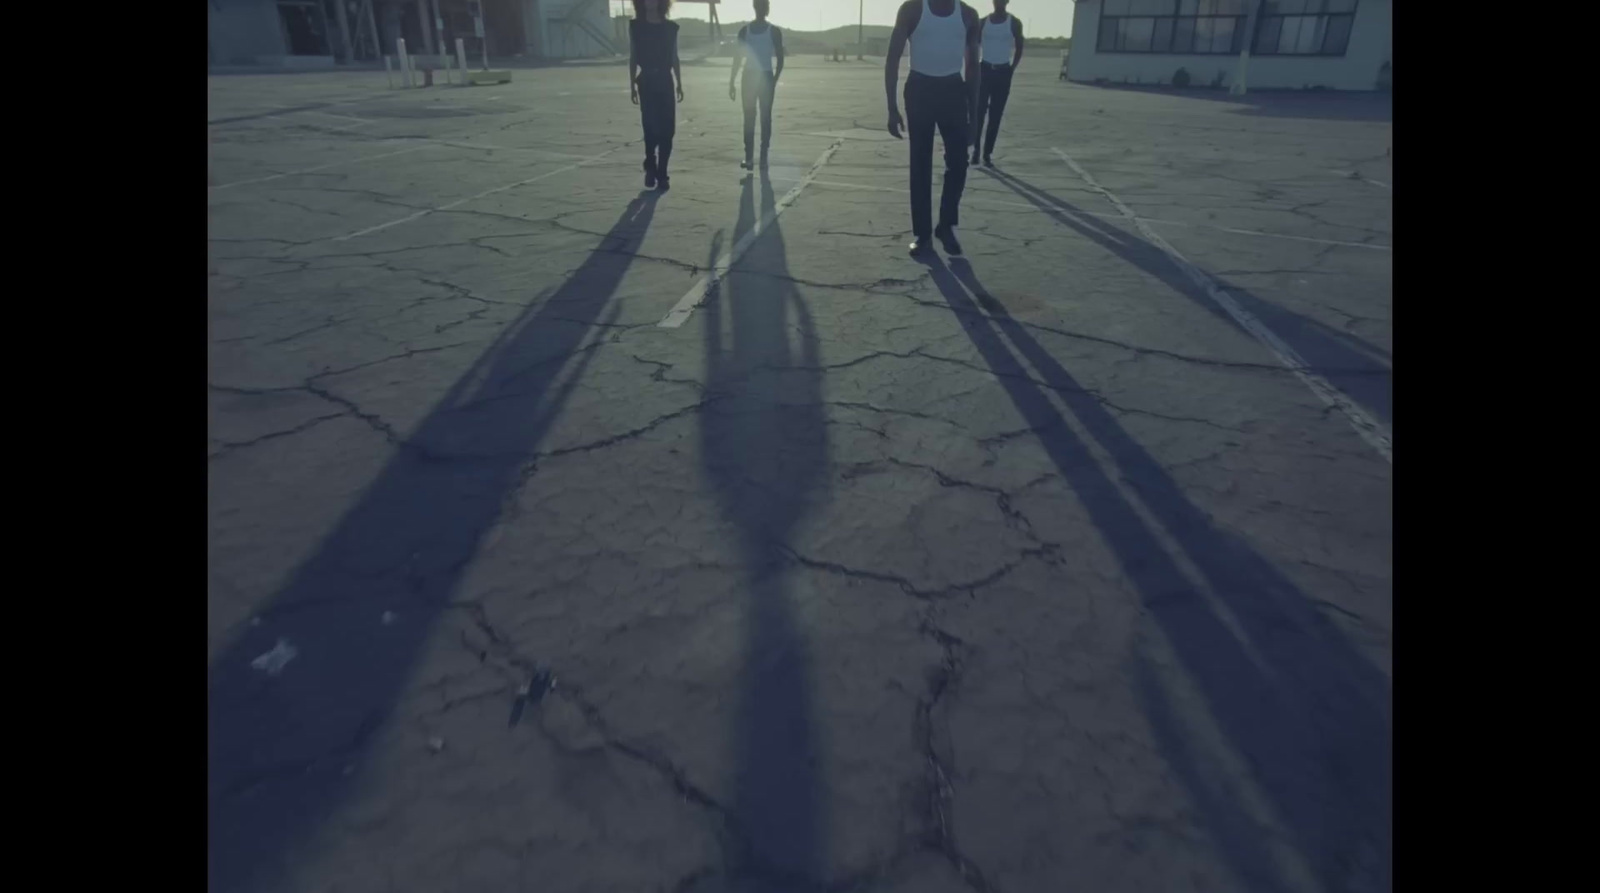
column 999, row 43
column 758, row 47
column 938, row 45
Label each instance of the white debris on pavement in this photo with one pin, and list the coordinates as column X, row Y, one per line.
column 275, row 660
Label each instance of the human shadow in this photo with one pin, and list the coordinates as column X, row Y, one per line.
column 285, row 749
column 1352, row 365
column 764, row 448
column 1308, row 715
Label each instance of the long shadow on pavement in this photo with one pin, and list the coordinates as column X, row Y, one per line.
column 285, row 750
column 1309, row 717
column 764, row 444
column 1356, row 368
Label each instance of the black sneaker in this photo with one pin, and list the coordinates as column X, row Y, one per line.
column 947, row 237
column 666, row 183
column 649, row 173
column 974, row 158
column 921, row 246
column 746, row 164
column 988, row 162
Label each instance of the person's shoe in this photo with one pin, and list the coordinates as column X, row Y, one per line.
column 649, row 173
column 746, row 163
column 988, row 162
column 665, row 184
column 947, row 237
column 921, row 246
column 974, row 157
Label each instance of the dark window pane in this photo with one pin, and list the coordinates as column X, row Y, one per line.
column 1183, row 36
column 1163, row 41
column 1229, row 7
column 1108, row 36
column 1291, row 7
column 1206, row 6
column 1136, row 34
column 1115, row 8
column 1310, row 41
column 1151, row 7
column 1340, row 6
column 1222, row 37
column 1267, row 39
column 1289, row 34
column 1203, row 29
column 1338, row 38
column 1186, row 7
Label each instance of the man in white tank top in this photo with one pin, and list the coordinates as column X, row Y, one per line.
column 1002, row 53
column 760, row 48
column 944, row 45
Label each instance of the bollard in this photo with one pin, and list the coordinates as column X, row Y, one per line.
column 405, row 61
column 461, row 59
column 388, row 70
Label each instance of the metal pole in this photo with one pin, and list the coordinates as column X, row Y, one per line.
column 438, row 30
column 344, row 30
column 405, row 61
column 427, row 26
column 461, row 59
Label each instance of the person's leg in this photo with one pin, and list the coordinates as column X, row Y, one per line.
column 920, row 121
column 997, row 107
column 951, row 114
column 648, row 122
column 747, row 92
column 768, row 88
column 667, row 128
column 985, row 72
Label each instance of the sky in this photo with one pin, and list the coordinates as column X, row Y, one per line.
column 1042, row 18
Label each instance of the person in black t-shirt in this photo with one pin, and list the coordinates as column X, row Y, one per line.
column 652, row 65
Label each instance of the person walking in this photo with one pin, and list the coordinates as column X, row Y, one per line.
column 652, row 66
column 944, row 36
column 1001, row 54
column 761, row 45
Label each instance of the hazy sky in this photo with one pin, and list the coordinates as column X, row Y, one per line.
column 1043, row 18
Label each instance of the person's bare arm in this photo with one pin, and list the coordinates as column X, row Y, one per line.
column 905, row 22
column 974, row 42
column 633, row 64
column 677, row 68
column 738, row 60
column 777, row 43
column 1016, row 32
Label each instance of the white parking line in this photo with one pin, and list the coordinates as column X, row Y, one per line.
column 487, row 192
column 680, row 312
column 1369, row 429
column 321, row 167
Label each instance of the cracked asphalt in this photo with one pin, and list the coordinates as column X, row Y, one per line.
column 1040, row 571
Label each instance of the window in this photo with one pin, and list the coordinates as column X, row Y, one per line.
column 1175, row 26
column 1304, row 27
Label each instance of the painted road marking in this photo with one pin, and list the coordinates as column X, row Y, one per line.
column 680, row 312
column 487, row 192
column 321, row 167
column 1370, row 430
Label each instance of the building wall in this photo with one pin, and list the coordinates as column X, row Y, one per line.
column 563, row 42
column 1357, row 69
column 243, row 31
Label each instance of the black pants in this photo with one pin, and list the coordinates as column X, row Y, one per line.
column 994, row 88
column 936, row 102
column 658, row 111
column 757, row 88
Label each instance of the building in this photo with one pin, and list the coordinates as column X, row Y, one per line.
column 316, row 33
column 1296, row 44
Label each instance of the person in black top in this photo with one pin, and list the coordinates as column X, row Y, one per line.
column 652, row 65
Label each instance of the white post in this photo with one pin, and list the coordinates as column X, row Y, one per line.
column 388, row 70
column 405, row 61
column 461, row 58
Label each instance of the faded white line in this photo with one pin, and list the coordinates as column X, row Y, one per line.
column 459, row 202
column 489, row 147
column 680, row 312
column 321, row 167
column 1369, row 429
column 1000, row 203
column 332, row 115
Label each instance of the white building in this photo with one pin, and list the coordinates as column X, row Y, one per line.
column 1297, row 44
